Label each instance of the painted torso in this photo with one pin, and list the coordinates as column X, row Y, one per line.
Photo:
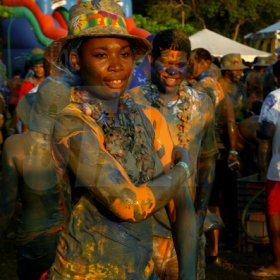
column 98, row 244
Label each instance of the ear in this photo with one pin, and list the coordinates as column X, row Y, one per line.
column 74, row 60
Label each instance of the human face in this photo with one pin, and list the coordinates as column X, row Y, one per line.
column 235, row 75
column 39, row 71
column 105, row 66
column 169, row 70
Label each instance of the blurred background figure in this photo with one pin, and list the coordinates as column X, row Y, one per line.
column 254, row 83
column 35, row 75
column 232, row 69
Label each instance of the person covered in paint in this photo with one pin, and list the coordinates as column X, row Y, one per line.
column 30, row 176
column 270, row 130
column 232, row 69
column 225, row 130
column 190, row 118
column 114, row 151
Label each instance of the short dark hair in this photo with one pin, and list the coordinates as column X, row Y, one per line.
column 201, row 54
column 171, row 39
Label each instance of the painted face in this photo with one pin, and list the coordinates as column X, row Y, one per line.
column 235, row 75
column 105, row 65
column 39, row 71
column 169, row 70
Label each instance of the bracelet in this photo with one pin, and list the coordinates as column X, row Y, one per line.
column 232, row 152
column 185, row 166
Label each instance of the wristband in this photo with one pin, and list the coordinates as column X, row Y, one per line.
column 232, row 152
column 185, row 166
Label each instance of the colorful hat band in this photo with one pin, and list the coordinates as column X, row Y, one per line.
column 95, row 18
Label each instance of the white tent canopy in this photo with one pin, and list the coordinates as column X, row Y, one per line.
column 219, row 45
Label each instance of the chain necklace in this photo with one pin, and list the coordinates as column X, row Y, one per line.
column 182, row 107
column 125, row 135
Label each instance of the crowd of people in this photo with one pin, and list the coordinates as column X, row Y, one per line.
column 120, row 150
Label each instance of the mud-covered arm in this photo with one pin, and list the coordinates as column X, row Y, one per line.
column 83, row 152
column 180, row 210
column 206, row 165
column 229, row 115
column 8, row 187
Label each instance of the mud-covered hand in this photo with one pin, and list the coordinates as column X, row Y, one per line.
column 181, row 156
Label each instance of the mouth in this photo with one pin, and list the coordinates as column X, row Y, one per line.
column 115, row 84
column 170, row 82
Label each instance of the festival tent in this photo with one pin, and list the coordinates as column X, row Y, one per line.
column 219, row 45
column 267, row 39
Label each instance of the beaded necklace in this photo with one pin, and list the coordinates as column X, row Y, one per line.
column 126, row 138
column 182, row 107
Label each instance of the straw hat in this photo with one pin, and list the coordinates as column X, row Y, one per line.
column 98, row 18
column 232, row 61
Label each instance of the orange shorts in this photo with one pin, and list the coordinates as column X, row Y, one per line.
column 165, row 258
column 272, row 197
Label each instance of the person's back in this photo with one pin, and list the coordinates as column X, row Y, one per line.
column 31, row 176
column 28, row 157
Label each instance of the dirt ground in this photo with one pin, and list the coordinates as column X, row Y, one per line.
column 234, row 264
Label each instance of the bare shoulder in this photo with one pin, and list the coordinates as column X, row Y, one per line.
column 14, row 146
column 68, row 122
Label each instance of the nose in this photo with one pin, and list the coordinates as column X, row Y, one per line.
column 115, row 64
column 171, row 71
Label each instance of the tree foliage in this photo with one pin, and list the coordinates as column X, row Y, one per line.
column 232, row 18
column 5, row 12
column 153, row 26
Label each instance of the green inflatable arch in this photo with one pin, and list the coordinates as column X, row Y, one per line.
column 24, row 12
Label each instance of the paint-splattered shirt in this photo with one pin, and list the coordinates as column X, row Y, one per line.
column 98, row 243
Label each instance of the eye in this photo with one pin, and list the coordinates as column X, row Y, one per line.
column 126, row 54
column 100, row 55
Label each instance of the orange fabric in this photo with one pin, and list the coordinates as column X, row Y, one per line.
column 164, row 256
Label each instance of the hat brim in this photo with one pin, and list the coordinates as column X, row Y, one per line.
column 242, row 67
column 140, row 46
column 261, row 65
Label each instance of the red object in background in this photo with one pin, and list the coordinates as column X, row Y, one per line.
column 46, row 22
column 26, row 86
column 44, row 276
column 134, row 30
column 60, row 19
